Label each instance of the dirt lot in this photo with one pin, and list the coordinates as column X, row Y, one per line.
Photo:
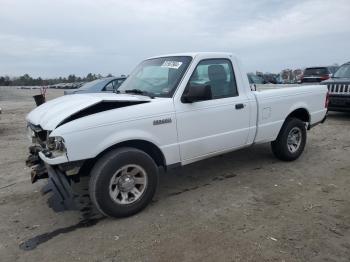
column 244, row 206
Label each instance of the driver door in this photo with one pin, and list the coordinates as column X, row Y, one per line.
column 215, row 125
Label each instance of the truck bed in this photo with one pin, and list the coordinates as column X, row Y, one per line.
column 275, row 103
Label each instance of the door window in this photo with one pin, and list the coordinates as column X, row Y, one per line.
column 218, row 74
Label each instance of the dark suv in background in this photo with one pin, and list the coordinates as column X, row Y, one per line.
column 339, row 89
column 317, row 74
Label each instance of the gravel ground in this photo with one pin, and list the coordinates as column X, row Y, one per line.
column 243, row 206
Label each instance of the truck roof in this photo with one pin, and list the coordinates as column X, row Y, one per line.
column 193, row 54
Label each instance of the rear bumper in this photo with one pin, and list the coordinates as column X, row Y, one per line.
column 339, row 103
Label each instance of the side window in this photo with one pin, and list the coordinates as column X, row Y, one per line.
column 117, row 83
column 114, row 85
column 109, row 87
column 218, row 74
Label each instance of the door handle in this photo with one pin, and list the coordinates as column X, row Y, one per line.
column 239, row 106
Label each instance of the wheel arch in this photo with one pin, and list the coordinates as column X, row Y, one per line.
column 300, row 113
column 146, row 146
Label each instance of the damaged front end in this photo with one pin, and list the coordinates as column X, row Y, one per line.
column 62, row 178
column 45, row 147
column 39, row 170
column 49, row 153
column 38, row 138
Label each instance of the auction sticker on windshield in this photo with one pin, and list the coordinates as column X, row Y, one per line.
column 172, row 64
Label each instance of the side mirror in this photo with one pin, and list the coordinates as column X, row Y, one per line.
column 196, row 92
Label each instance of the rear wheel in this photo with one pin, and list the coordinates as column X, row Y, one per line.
column 123, row 182
column 291, row 140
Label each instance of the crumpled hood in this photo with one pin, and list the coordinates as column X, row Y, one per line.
column 50, row 114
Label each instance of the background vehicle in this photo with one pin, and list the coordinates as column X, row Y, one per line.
column 255, row 79
column 108, row 84
column 333, row 69
column 67, row 85
column 171, row 111
column 316, row 74
column 339, row 89
column 271, row 78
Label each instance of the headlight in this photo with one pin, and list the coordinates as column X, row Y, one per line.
column 56, row 143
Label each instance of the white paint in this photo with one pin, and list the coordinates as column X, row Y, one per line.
column 197, row 130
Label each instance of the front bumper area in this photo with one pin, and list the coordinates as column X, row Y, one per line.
column 53, row 161
column 63, row 196
column 39, row 170
column 339, row 103
column 67, row 192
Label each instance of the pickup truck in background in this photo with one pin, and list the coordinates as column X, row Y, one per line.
column 171, row 111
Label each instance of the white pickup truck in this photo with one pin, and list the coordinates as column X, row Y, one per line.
column 171, row 111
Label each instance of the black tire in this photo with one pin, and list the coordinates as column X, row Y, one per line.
column 104, row 170
column 280, row 146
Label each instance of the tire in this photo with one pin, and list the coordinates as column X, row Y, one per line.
column 118, row 165
column 289, row 150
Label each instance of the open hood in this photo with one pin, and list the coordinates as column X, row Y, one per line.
column 67, row 108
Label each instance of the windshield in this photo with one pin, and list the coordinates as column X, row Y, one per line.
column 158, row 76
column 333, row 69
column 343, row 72
column 94, row 84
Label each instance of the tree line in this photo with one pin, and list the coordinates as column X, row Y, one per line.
column 27, row 80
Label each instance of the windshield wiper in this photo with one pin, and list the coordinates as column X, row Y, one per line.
column 139, row 92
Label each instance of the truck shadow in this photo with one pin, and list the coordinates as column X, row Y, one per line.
column 35, row 241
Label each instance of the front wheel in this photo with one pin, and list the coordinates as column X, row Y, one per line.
column 123, row 182
column 291, row 140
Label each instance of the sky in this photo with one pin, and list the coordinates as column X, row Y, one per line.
column 50, row 38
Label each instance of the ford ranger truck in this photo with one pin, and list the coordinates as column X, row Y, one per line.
column 171, row 111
